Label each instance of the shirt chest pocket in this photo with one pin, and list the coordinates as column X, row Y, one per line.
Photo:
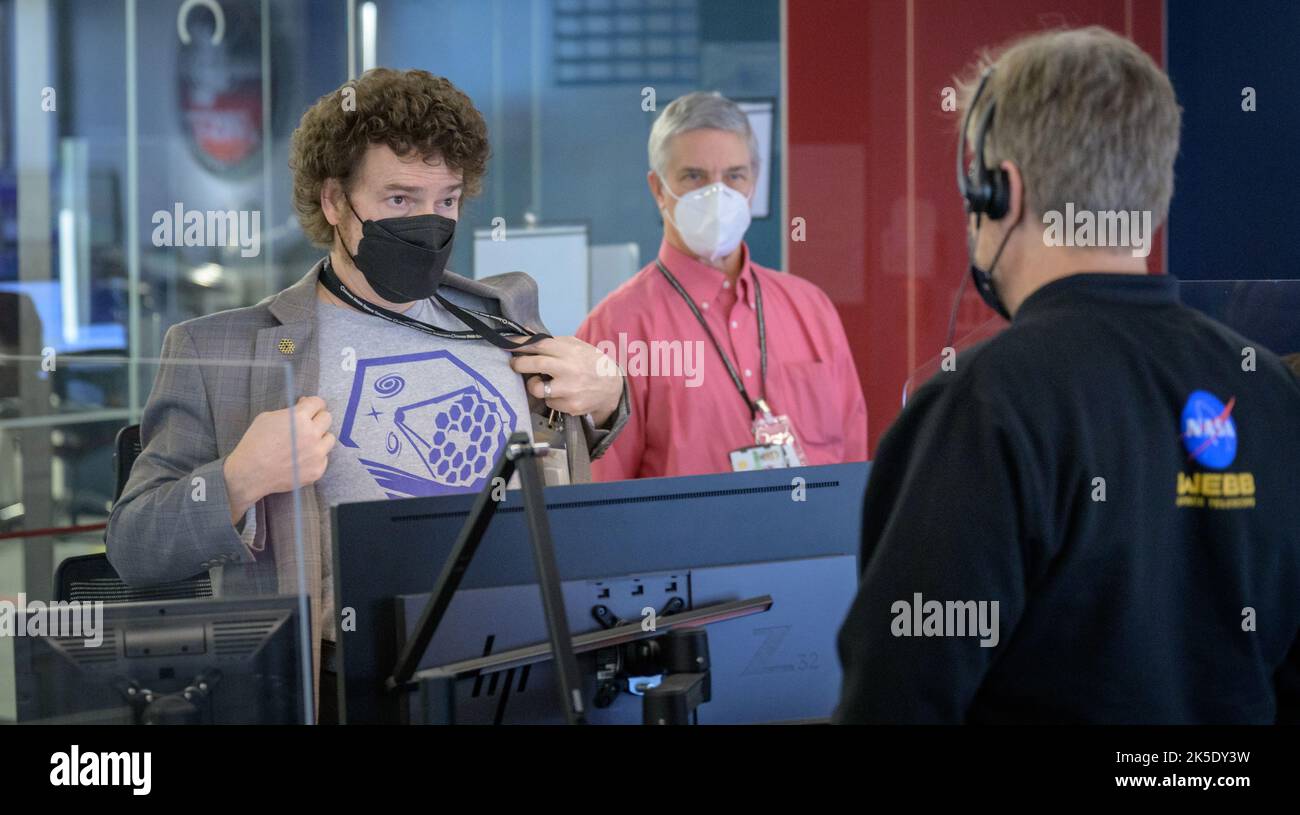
column 809, row 396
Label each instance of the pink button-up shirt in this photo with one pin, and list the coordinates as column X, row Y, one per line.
column 686, row 412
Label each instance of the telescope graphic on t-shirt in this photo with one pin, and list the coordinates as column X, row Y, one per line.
column 425, row 424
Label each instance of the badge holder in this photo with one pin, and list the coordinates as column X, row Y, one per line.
column 775, row 444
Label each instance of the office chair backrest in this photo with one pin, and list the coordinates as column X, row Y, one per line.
column 126, row 449
column 88, row 578
column 91, row 577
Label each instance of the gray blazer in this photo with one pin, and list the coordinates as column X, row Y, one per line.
column 197, row 413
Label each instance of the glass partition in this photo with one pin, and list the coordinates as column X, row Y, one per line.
column 569, row 90
column 984, row 331
column 128, row 591
column 144, row 181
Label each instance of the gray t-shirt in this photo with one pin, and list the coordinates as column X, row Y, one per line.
column 414, row 414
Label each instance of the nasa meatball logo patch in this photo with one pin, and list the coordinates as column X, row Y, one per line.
column 1209, row 436
column 1209, row 433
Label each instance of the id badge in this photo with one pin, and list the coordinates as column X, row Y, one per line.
column 777, row 431
column 758, row 457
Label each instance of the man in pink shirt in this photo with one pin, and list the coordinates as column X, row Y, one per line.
column 714, row 345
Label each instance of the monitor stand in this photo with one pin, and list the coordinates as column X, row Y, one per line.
column 523, row 455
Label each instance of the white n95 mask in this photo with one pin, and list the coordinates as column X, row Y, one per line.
column 711, row 220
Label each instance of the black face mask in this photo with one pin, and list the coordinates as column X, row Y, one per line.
column 403, row 259
column 984, row 279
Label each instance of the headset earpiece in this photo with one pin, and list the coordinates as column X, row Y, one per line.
column 989, row 192
column 999, row 201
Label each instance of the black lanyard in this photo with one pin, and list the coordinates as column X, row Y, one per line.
column 754, row 405
column 480, row 330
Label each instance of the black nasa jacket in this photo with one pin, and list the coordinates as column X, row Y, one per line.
column 1108, row 473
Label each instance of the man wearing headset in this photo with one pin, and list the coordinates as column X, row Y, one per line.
column 1094, row 517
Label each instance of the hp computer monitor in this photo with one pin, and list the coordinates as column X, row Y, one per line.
column 201, row 661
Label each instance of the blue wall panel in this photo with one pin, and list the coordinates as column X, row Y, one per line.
column 1237, row 180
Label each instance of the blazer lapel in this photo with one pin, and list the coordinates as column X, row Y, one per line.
column 292, row 341
column 514, row 294
column 295, row 344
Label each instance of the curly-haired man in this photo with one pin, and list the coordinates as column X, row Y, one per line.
column 409, row 377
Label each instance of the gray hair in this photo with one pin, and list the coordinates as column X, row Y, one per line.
column 1088, row 118
column 696, row 111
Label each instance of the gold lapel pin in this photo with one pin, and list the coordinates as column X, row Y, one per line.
column 287, row 346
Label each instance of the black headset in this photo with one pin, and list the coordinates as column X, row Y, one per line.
column 988, row 192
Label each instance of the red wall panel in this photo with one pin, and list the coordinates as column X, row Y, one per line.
column 871, row 163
